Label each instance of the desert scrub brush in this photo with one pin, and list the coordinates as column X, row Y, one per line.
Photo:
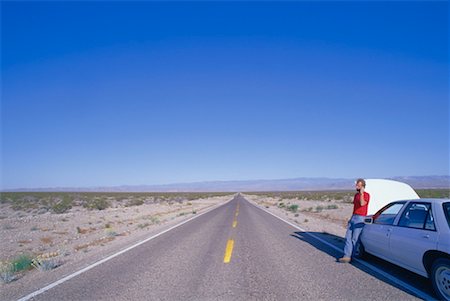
column 47, row 261
column 7, row 272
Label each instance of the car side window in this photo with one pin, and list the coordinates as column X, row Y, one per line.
column 446, row 207
column 418, row 216
column 386, row 215
column 429, row 222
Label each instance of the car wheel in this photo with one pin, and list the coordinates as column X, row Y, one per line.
column 440, row 277
column 360, row 252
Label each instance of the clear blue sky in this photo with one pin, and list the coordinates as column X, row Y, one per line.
column 111, row 93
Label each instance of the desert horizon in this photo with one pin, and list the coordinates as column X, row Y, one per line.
column 289, row 184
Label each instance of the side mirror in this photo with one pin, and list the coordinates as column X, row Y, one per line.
column 368, row 220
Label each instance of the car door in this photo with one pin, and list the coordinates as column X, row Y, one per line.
column 414, row 234
column 375, row 236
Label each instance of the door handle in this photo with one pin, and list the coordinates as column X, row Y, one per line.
column 388, row 232
column 426, row 236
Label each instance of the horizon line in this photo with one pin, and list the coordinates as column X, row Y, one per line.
column 93, row 187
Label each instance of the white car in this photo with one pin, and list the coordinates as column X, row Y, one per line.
column 414, row 234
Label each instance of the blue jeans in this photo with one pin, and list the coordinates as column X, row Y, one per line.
column 354, row 228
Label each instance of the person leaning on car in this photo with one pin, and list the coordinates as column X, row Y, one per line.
column 356, row 223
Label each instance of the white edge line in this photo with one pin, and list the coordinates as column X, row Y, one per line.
column 401, row 283
column 62, row 280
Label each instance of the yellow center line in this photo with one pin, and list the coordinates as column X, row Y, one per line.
column 228, row 251
column 230, row 243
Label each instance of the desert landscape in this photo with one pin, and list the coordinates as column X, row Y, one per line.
column 46, row 234
column 43, row 231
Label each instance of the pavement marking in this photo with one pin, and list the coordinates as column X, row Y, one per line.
column 79, row 272
column 394, row 279
column 230, row 243
column 228, row 251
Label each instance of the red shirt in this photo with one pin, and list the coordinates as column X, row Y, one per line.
column 357, row 208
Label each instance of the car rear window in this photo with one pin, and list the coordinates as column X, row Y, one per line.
column 446, row 207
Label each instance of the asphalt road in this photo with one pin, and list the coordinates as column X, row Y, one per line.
column 234, row 252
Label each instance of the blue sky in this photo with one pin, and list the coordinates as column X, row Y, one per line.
column 112, row 93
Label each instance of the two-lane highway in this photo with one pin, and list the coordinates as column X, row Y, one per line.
column 234, row 252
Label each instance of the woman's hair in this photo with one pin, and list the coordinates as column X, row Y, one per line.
column 362, row 181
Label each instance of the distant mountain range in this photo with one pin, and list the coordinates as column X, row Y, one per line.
column 417, row 182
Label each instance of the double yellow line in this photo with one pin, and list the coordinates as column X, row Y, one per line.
column 230, row 243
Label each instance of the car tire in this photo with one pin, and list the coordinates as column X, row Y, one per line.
column 360, row 252
column 440, row 277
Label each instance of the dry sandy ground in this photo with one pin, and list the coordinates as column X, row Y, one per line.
column 81, row 236
column 316, row 216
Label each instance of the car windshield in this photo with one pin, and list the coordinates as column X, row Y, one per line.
column 446, row 207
